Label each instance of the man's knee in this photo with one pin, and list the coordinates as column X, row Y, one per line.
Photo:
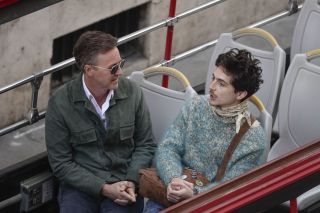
column 108, row 206
column 73, row 200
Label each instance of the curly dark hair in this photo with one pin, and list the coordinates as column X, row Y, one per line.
column 90, row 44
column 244, row 69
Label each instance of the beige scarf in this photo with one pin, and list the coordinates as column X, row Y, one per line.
column 239, row 112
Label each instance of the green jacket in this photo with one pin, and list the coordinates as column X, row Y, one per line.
column 82, row 153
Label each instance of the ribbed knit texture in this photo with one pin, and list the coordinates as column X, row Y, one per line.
column 198, row 139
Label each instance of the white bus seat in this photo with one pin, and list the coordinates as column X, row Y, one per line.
column 265, row 120
column 272, row 64
column 306, row 34
column 164, row 104
column 307, row 30
column 299, row 117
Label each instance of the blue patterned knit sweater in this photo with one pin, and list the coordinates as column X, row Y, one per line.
column 198, row 139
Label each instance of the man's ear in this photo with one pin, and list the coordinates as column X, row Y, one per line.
column 241, row 95
column 87, row 69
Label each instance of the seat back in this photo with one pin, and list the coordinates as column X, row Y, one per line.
column 299, row 104
column 307, row 30
column 265, row 120
column 272, row 64
column 164, row 104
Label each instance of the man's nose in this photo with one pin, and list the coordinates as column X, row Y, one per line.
column 213, row 85
column 119, row 71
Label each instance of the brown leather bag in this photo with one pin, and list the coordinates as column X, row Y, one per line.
column 152, row 187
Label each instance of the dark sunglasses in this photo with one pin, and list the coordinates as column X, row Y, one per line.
column 114, row 68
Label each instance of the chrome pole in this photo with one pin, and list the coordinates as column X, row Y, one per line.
column 20, row 124
column 212, row 43
column 122, row 40
column 43, row 73
column 10, row 201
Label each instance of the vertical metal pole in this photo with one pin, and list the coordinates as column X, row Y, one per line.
column 293, row 6
column 293, row 205
column 167, row 55
column 33, row 114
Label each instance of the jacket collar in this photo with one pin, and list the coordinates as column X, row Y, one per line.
column 78, row 93
column 122, row 91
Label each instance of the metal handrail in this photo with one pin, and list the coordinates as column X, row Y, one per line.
column 10, row 201
column 36, row 79
column 212, row 43
column 20, row 124
column 41, row 74
column 121, row 40
column 147, row 30
column 33, row 78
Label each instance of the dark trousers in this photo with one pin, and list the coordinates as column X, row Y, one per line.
column 71, row 200
column 153, row 207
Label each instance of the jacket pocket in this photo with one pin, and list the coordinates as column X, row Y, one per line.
column 126, row 145
column 126, row 132
column 83, row 137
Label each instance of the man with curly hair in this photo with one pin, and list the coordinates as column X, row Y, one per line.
column 202, row 132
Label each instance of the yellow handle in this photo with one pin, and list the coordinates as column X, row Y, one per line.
column 168, row 71
column 254, row 99
column 258, row 32
column 313, row 54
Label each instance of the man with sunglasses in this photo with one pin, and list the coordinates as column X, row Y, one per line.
column 98, row 132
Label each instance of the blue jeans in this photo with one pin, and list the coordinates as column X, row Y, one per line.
column 153, row 207
column 71, row 200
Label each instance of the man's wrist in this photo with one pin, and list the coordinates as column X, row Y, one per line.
column 105, row 190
